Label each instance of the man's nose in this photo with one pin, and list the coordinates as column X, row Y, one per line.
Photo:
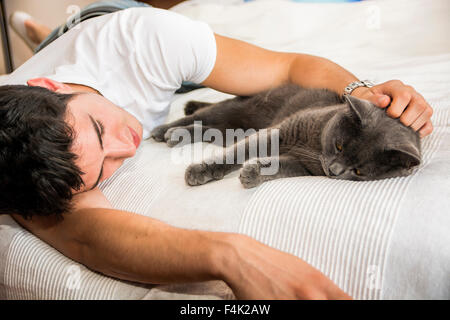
column 336, row 169
column 119, row 147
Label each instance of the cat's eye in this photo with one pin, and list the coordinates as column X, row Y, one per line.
column 357, row 172
column 339, row 147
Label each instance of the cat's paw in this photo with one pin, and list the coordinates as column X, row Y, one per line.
column 197, row 174
column 172, row 141
column 251, row 175
column 158, row 133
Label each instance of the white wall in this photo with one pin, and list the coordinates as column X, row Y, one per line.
column 50, row 12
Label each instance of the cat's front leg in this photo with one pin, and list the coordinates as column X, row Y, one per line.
column 258, row 170
column 225, row 161
column 200, row 173
column 221, row 163
column 159, row 132
column 179, row 136
column 250, row 175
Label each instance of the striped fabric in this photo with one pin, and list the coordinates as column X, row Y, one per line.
column 382, row 239
column 37, row 271
column 342, row 228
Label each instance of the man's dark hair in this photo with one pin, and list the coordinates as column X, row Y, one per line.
column 37, row 168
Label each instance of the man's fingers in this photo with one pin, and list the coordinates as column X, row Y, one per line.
column 399, row 103
column 400, row 95
column 426, row 129
column 405, row 103
column 383, row 101
column 337, row 294
column 422, row 119
column 380, row 100
column 416, row 114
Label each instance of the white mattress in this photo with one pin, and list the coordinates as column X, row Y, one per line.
column 386, row 239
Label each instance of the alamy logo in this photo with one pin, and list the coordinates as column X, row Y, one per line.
column 73, row 281
column 251, row 145
column 373, row 21
column 373, row 279
column 74, row 19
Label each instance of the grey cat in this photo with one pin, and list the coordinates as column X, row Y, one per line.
column 320, row 134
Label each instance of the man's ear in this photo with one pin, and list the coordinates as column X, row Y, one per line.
column 51, row 85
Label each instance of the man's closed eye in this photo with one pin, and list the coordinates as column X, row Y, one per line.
column 100, row 131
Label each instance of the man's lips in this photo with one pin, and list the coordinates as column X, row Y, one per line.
column 135, row 136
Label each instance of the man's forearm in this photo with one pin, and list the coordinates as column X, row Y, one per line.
column 150, row 251
column 140, row 249
column 133, row 247
column 136, row 248
column 316, row 72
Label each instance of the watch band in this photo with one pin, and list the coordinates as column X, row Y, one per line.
column 356, row 84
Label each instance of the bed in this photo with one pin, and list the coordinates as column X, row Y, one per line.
column 386, row 239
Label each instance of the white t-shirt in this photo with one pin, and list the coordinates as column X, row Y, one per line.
column 137, row 58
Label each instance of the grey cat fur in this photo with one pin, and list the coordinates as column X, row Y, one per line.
column 320, row 134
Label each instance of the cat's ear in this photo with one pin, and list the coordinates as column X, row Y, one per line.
column 360, row 108
column 407, row 155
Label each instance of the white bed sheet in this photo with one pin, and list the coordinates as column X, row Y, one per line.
column 385, row 239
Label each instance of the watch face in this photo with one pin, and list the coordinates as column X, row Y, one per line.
column 352, row 86
column 368, row 83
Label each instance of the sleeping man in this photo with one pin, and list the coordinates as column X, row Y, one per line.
column 95, row 93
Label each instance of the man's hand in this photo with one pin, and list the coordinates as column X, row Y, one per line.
column 402, row 101
column 256, row 271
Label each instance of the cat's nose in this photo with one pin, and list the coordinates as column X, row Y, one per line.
column 336, row 169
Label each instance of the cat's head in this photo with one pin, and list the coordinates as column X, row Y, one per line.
column 364, row 143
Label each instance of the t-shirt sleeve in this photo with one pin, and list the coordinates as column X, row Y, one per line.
column 171, row 48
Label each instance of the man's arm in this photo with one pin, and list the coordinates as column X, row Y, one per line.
column 129, row 246
column 137, row 248
column 244, row 69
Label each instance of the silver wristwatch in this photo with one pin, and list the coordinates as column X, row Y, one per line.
column 352, row 86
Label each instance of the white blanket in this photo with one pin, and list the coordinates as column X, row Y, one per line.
column 385, row 239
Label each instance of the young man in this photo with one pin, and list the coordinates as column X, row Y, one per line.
column 107, row 84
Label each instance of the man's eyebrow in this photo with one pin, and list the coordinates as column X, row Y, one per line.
column 99, row 135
